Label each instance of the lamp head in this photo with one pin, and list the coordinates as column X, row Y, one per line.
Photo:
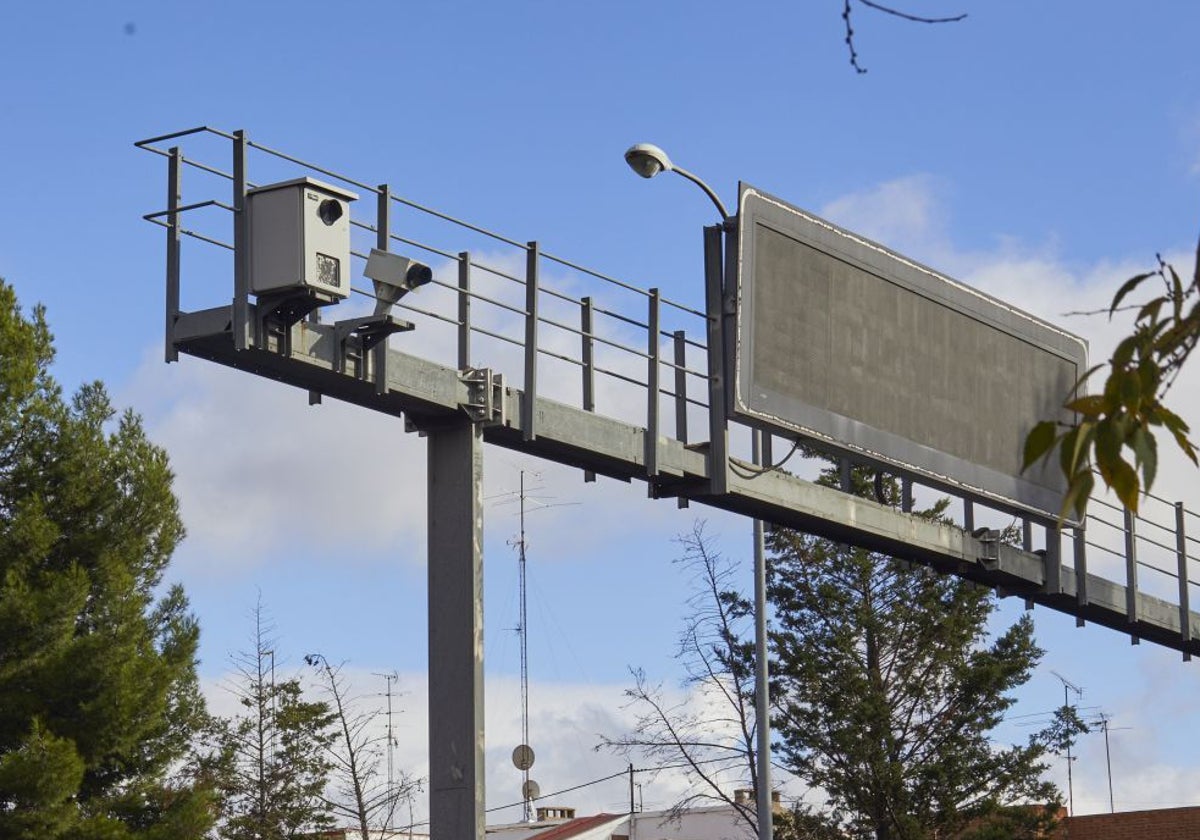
column 647, row 160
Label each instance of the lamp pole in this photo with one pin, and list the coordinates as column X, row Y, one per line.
column 648, row 160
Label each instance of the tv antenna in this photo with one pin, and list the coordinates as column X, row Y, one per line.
column 1068, row 687
column 1103, row 720
column 391, row 739
column 523, row 754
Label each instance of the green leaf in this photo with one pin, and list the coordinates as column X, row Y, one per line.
column 1125, row 484
column 1130, row 384
column 1127, row 287
column 1108, row 446
column 1074, row 447
column 1177, row 289
column 1066, row 450
column 1124, row 352
column 1090, row 406
column 1079, row 491
column 1039, row 442
column 1082, row 380
column 1172, row 420
column 1151, row 376
column 1150, row 310
column 1186, row 445
column 1145, row 447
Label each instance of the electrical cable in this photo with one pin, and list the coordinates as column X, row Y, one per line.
column 750, row 473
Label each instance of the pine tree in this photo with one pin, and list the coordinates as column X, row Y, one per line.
column 98, row 695
column 276, row 754
column 887, row 690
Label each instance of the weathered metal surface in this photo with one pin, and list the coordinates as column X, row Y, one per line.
column 433, row 395
column 842, row 340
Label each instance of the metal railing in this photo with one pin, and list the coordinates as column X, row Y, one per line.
column 605, row 345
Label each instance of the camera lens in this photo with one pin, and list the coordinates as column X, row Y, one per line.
column 330, row 210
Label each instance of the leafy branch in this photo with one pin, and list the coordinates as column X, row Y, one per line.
column 1113, row 432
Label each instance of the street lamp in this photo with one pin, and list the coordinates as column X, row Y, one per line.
column 648, row 160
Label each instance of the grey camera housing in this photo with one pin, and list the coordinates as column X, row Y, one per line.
column 300, row 238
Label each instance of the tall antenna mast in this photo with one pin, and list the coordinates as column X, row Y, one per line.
column 523, row 630
column 1069, row 686
column 391, row 740
column 522, row 756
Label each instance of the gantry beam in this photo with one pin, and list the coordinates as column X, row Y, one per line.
column 432, row 395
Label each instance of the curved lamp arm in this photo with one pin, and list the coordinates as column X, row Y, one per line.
column 648, row 160
column 707, row 190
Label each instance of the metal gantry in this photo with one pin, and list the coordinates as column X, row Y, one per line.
column 588, row 351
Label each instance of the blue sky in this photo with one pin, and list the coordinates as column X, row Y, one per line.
column 1042, row 151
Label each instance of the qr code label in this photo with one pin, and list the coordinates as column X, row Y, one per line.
column 327, row 272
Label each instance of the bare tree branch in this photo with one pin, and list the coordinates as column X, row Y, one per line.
column 847, row 11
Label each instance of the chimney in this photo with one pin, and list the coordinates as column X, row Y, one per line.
column 747, row 796
column 555, row 813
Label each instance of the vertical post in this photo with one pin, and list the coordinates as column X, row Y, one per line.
column 681, row 429
column 729, row 302
column 653, row 371
column 1131, row 572
column 1027, row 546
column 968, row 515
column 718, row 426
column 1081, row 591
column 464, row 310
column 845, row 476
column 174, row 192
column 1052, row 561
column 631, row 798
column 1185, row 610
column 588, row 357
column 528, row 429
column 762, row 707
column 383, row 230
column 241, row 246
column 906, row 494
column 383, row 218
column 680, row 347
column 455, row 557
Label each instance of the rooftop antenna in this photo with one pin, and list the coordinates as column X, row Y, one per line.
column 1069, row 686
column 1103, row 721
column 523, row 754
column 391, row 740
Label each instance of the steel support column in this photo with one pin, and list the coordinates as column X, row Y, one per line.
column 455, row 499
column 718, row 425
column 762, row 685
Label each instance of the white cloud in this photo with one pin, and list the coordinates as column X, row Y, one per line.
column 258, row 469
column 905, row 214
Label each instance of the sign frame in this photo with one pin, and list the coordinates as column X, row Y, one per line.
column 853, row 269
